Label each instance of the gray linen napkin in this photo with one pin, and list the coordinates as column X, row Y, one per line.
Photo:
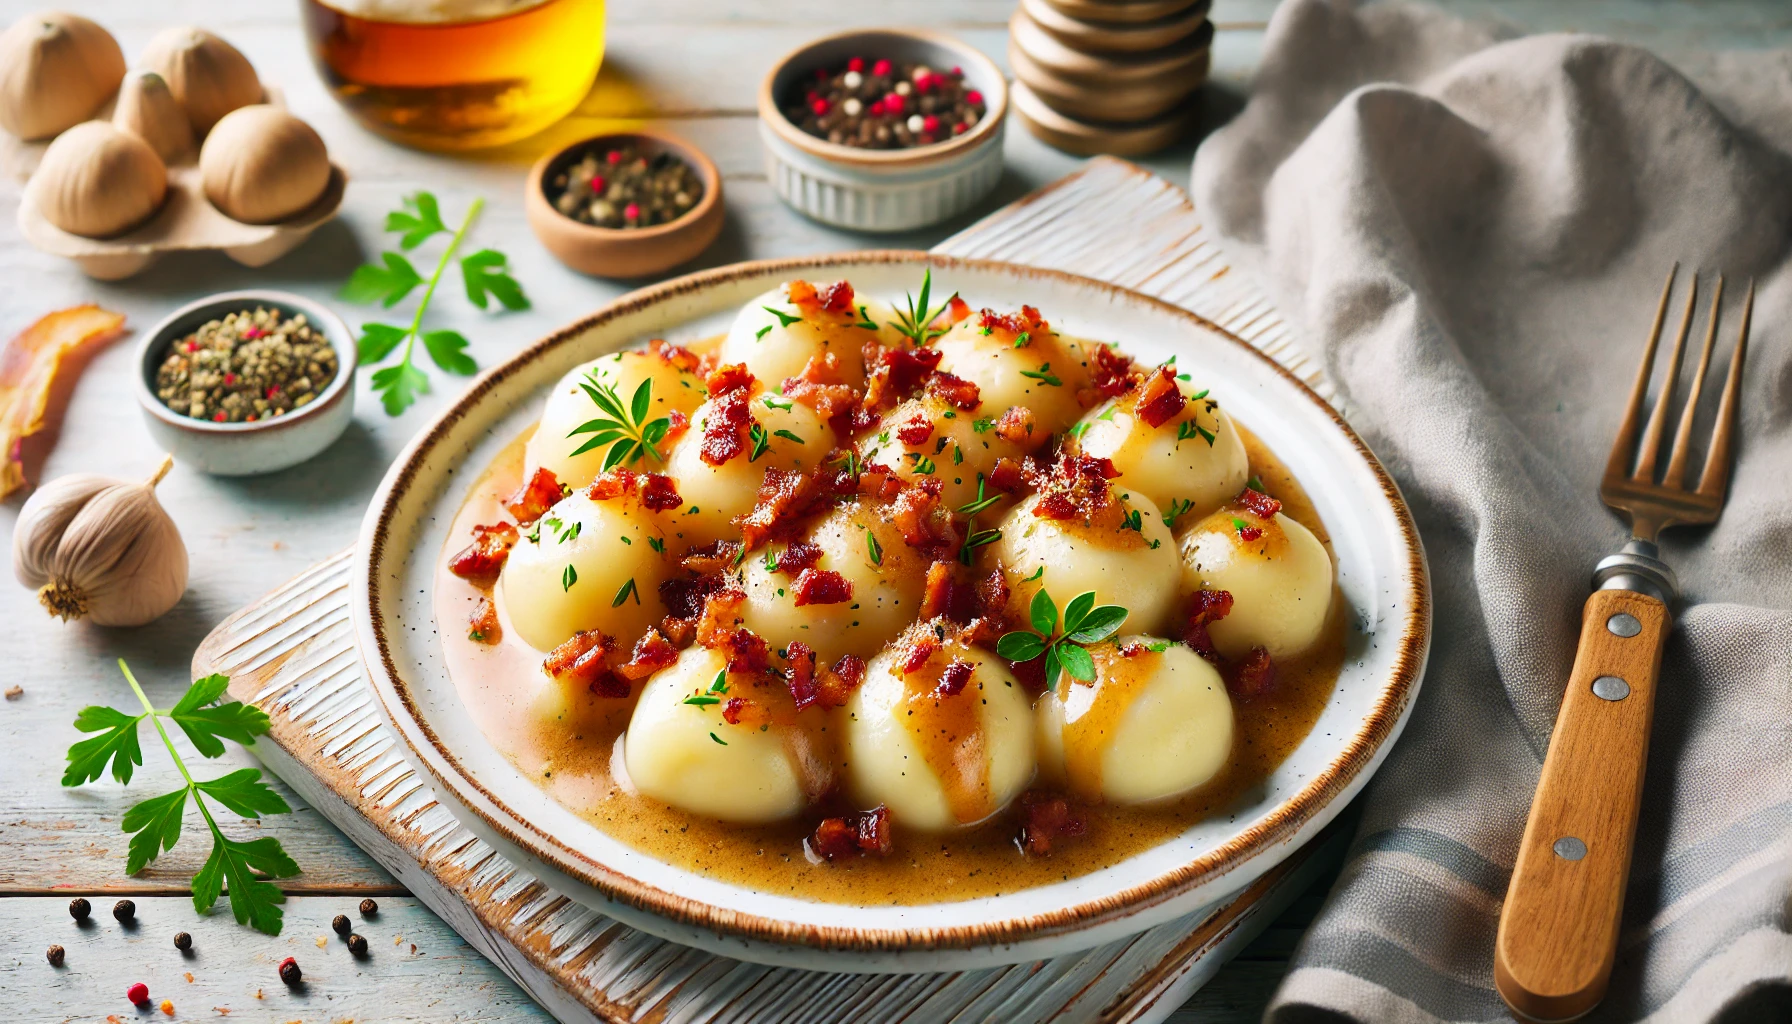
column 1470, row 230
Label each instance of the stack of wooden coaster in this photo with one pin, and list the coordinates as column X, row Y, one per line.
column 1109, row 76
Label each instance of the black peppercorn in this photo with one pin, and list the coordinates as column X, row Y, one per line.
column 369, row 908
column 289, row 971
column 125, row 911
column 357, row 945
column 340, row 924
column 54, row 954
column 79, row 908
column 183, row 941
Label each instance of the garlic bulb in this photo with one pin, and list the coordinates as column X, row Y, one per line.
column 208, row 76
column 97, row 181
column 56, row 70
column 261, row 165
column 101, row 549
column 147, row 109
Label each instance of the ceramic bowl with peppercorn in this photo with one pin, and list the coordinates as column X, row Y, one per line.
column 883, row 130
column 627, row 204
column 247, row 382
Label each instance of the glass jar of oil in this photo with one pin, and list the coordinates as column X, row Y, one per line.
column 457, row 74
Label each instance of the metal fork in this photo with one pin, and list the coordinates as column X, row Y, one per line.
column 1558, row 930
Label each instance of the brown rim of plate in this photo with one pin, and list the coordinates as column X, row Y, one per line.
column 691, row 155
column 1279, row 826
column 995, row 110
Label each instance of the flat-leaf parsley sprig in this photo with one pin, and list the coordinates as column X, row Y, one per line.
column 485, row 274
column 916, row 322
column 156, row 823
column 1085, row 623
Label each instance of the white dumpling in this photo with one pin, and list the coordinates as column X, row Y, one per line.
column 1190, row 465
column 568, row 407
column 795, row 438
column 1152, row 725
column 1008, row 376
column 1136, row 569
column 956, row 451
column 585, row 565
column 938, row 762
column 1280, row 581
column 777, row 345
column 886, row 590
column 679, row 748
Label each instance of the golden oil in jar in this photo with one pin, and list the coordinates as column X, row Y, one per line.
column 457, row 74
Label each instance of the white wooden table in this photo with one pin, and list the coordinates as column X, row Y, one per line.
column 691, row 65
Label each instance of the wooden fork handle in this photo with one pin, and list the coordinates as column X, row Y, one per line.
column 1558, row 930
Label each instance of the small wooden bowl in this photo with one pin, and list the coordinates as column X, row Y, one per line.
column 1124, row 12
column 1103, row 37
column 1088, row 138
column 624, row 252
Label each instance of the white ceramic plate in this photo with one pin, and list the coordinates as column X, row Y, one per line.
column 1381, row 572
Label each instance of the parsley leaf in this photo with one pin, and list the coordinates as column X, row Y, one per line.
column 1084, row 622
column 448, row 350
column 157, row 824
column 417, row 221
column 254, row 902
column 386, row 282
column 204, row 723
column 486, row 274
column 117, row 744
column 244, row 793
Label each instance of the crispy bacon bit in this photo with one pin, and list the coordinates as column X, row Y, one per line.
column 652, row 652
column 721, row 614
column 918, row 655
column 725, row 427
column 581, row 660
column 783, row 496
column 836, row 297
column 896, row 373
column 482, row 625
column 1054, row 505
column 1260, row 505
column 677, row 423
column 528, row 502
column 480, row 562
column 796, row 556
column 915, row 431
column 1250, row 534
column 732, row 377
column 852, row 835
column 957, row 310
column 676, row 356
column 1110, row 373
column 800, row 293
column 715, row 557
column 1013, row 325
column 659, row 492
column 822, row 388
column 851, row 670
column 1046, row 820
column 879, row 481
column 801, row 677
column 1007, row 476
column 685, row 599
column 1160, row 399
column 1076, row 486
column 1252, row 677
column 921, row 517
column 614, row 484
column 1016, row 425
column 954, row 391
column 954, row 678
column 1205, row 608
column 745, row 711
column 936, row 598
column 821, row 586
column 819, row 686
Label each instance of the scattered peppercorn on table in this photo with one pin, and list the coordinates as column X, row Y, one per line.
column 355, row 946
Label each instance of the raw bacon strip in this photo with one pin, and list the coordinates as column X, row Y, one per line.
column 853, row 834
column 29, row 369
column 480, row 562
column 530, row 501
column 1045, row 822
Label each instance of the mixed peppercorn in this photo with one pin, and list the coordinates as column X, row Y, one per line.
column 247, row 367
column 623, row 188
column 882, row 104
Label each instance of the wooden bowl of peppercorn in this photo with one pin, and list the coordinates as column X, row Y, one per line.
column 625, row 204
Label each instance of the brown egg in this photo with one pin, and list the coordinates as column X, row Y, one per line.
column 98, row 181
column 56, row 70
column 261, row 165
column 207, row 75
column 147, row 109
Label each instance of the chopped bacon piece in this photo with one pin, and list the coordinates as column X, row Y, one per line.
column 915, row 431
column 528, row 502
column 714, row 557
column 921, row 517
column 937, row 596
column 1250, row 534
column 1252, row 677
column 1205, row 608
column 783, row 496
column 852, row 835
column 797, row 556
column 801, row 677
column 821, row 586
column 480, row 562
column 1007, row 476
column 800, row 292
column 656, row 490
column 1046, row 820
column 879, row 481
column 614, row 484
column 954, row 391
column 1077, row 486
column 993, row 593
column 917, row 657
column 1110, row 373
column 1160, row 399
column 482, row 625
column 1016, row 425
column 957, row 310
column 1013, row 325
column 676, row 356
column 677, row 423
column 659, row 492
column 896, row 373
column 652, row 652
column 679, row 632
column 822, row 388
column 725, row 426
column 1259, row 504
column 954, row 678
column 1134, row 649
column 732, row 377
column 836, row 297
column 581, row 660
column 721, row 613
column 745, row 711
column 851, row 671
column 1054, row 505
column 813, row 685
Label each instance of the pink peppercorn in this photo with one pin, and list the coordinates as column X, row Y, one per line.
column 614, row 156
column 923, row 81
column 893, row 103
column 273, row 389
column 957, row 72
column 137, row 994
column 631, row 212
column 229, row 378
column 930, row 124
column 960, row 128
column 820, row 106
column 856, row 64
column 252, row 333
column 192, row 346
column 882, row 67
column 876, row 109
column 974, row 98
column 599, row 183
column 219, row 416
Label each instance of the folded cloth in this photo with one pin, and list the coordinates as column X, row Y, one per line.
column 1470, row 230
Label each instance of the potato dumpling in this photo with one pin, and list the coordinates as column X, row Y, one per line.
column 568, row 407
column 888, row 579
column 679, row 748
column 585, row 565
column 941, row 747
column 1277, row 572
column 1154, row 724
column 1188, row 466
column 776, row 338
column 955, row 450
column 1135, row 568
column 794, row 437
column 1008, row 376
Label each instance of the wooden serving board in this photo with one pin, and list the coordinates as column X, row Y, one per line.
column 293, row 654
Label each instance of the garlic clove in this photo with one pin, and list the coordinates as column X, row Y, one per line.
column 45, row 518
column 147, row 109
column 97, row 181
column 261, row 165
column 56, row 70
column 207, row 75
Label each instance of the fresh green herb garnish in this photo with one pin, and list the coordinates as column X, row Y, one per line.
column 720, row 683
column 761, row 441
column 1078, row 430
column 1132, row 519
column 783, row 318
column 981, row 502
column 1021, row 339
column 760, row 334
column 628, row 431
column 1157, row 646
column 1044, row 374
column 774, row 402
column 1038, row 574
column 865, row 320
column 788, row 436
column 702, row 700
column 1189, row 428
column 568, row 577
column 1240, row 525
column 1178, row 506
column 624, row 591
column 657, row 544
column 485, row 274
column 1255, row 483
column 983, row 426
column 718, row 739
column 873, row 548
column 1197, row 396
column 1085, row 623
column 977, row 539
column 850, row 462
column 915, row 323
column 923, row 464
column 156, row 823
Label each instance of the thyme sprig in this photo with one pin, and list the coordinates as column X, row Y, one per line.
column 1085, row 624
column 916, row 322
